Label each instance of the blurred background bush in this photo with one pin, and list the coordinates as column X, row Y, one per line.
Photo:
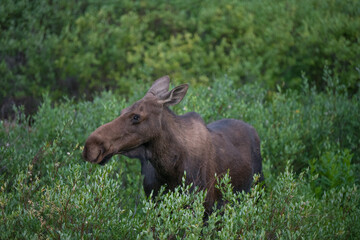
column 76, row 48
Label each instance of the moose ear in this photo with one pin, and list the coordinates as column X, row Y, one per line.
column 174, row 96
column 160, row 86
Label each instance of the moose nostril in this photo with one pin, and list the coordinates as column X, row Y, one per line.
column 84, row 153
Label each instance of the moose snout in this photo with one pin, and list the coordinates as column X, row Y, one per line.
column 92, row 153
column 93, row 149
column 97, row 150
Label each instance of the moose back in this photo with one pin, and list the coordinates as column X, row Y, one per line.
column 169, row 145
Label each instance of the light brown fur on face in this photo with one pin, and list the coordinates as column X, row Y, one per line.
column 169, row 145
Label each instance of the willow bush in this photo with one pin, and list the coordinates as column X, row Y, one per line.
column 78, row 48
column 310, row 142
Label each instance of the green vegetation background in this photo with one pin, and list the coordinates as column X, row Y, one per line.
column 78, row 47
column 289, row 68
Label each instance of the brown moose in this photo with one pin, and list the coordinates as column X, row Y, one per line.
column 168, row 144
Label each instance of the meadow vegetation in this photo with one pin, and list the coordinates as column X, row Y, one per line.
column 289, row 68
column 310, row 146
column 79, row 47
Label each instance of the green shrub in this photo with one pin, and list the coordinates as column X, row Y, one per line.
column 182, row 207
column 289, row 210
column 48, row 191
column 78, row 48
column 332, row 170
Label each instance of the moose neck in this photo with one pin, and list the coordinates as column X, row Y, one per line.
column 182, row 141
column 166, row 148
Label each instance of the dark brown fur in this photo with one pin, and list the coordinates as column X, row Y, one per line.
column 168, row 144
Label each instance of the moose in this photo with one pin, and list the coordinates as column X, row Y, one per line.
column 169, row 145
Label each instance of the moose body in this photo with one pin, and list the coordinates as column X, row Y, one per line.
column 169, row 145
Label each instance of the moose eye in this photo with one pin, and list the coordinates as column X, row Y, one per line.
column 135, row 118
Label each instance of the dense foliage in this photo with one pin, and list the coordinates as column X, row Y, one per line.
column 290, row 68
column 78, row 47
column 310, row 146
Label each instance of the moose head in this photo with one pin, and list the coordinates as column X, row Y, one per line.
column 136, row 125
